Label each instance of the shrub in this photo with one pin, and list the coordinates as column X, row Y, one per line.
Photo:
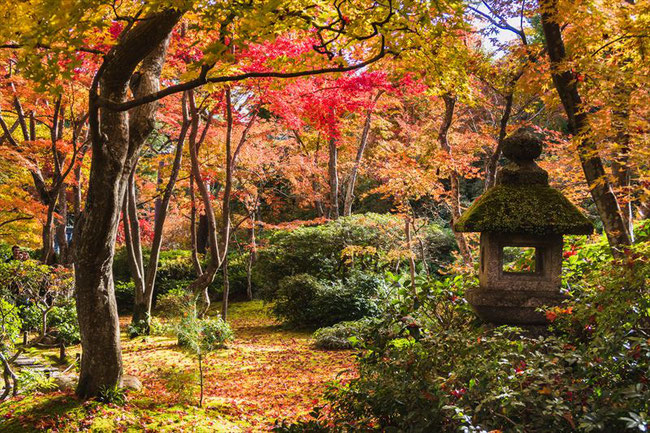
column 125, row 295
column 313, row 423
column 333, row 250
column 303, row 301
column 35, row 381
column 199, row 336
column 203, row 334
column 216, row 333
column 173, row 303
column 174, row 270
column 30, row 316
column 343, row 335
column 44, row 295
column 10, row 325
column 435, row 368
column 112, row 395
column 139, row 329
column 63, row 319
column 160, row 328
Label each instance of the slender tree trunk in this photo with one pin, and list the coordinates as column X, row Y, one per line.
column 43, row 323
column 409, row 247
column 333, row 179
column 115, row 149
column 133, row 245
column 567, row 87
column 200, row 285
column 62, row 226
column 252, row 257
column 8, row 375
column 159, row 184
column 196, row 263
column 621, row 163
column 318, row 204
column 201, row 380
column 48, row 234
column 225, row 208
column 454, row 192
column 76, row 188
column 349, row 193
column 491, row 167
column 226, row 290
column 143, row 303
column 231, row 164
column 203, row 234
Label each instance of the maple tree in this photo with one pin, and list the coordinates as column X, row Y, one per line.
column 164, row 123
column 39, row 141
column 145, row 41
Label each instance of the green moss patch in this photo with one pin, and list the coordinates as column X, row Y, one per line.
column 525, row 209
column 58, row 412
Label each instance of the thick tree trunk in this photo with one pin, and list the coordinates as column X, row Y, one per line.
column 113, row 158
column 566, row 85
column 454, row 190
column 333, row 178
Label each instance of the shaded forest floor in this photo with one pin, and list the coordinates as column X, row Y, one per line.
column 267, row 373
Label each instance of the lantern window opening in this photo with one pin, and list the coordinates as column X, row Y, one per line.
column 517, row 259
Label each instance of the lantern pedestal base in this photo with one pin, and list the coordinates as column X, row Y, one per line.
column 512, row 307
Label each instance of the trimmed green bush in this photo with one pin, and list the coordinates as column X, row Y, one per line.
column 334, row 250
column 125, row 295
column 343, row 335
column 304, row 301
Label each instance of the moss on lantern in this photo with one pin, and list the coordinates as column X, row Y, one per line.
column 535, row 209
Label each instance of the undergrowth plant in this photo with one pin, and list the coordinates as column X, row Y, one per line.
column 199, row 336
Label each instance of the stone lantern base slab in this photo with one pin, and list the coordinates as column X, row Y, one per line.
column 512, row 307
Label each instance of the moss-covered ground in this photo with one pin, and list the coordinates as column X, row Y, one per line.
column 267, row 373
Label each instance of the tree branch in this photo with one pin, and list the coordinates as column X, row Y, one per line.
column 203, row 79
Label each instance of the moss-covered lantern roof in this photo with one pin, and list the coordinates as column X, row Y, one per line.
column 522, row 201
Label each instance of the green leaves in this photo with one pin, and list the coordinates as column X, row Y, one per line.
column 10, row 325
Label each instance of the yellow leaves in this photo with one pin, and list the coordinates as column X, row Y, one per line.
column 351, row 251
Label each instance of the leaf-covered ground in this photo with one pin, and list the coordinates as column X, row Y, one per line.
column 265, row 374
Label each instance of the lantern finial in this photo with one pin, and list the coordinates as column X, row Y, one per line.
column 522, row 147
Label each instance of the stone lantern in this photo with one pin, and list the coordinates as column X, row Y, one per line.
column 520, row 217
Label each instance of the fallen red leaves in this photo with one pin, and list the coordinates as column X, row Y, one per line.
column 265, row 374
